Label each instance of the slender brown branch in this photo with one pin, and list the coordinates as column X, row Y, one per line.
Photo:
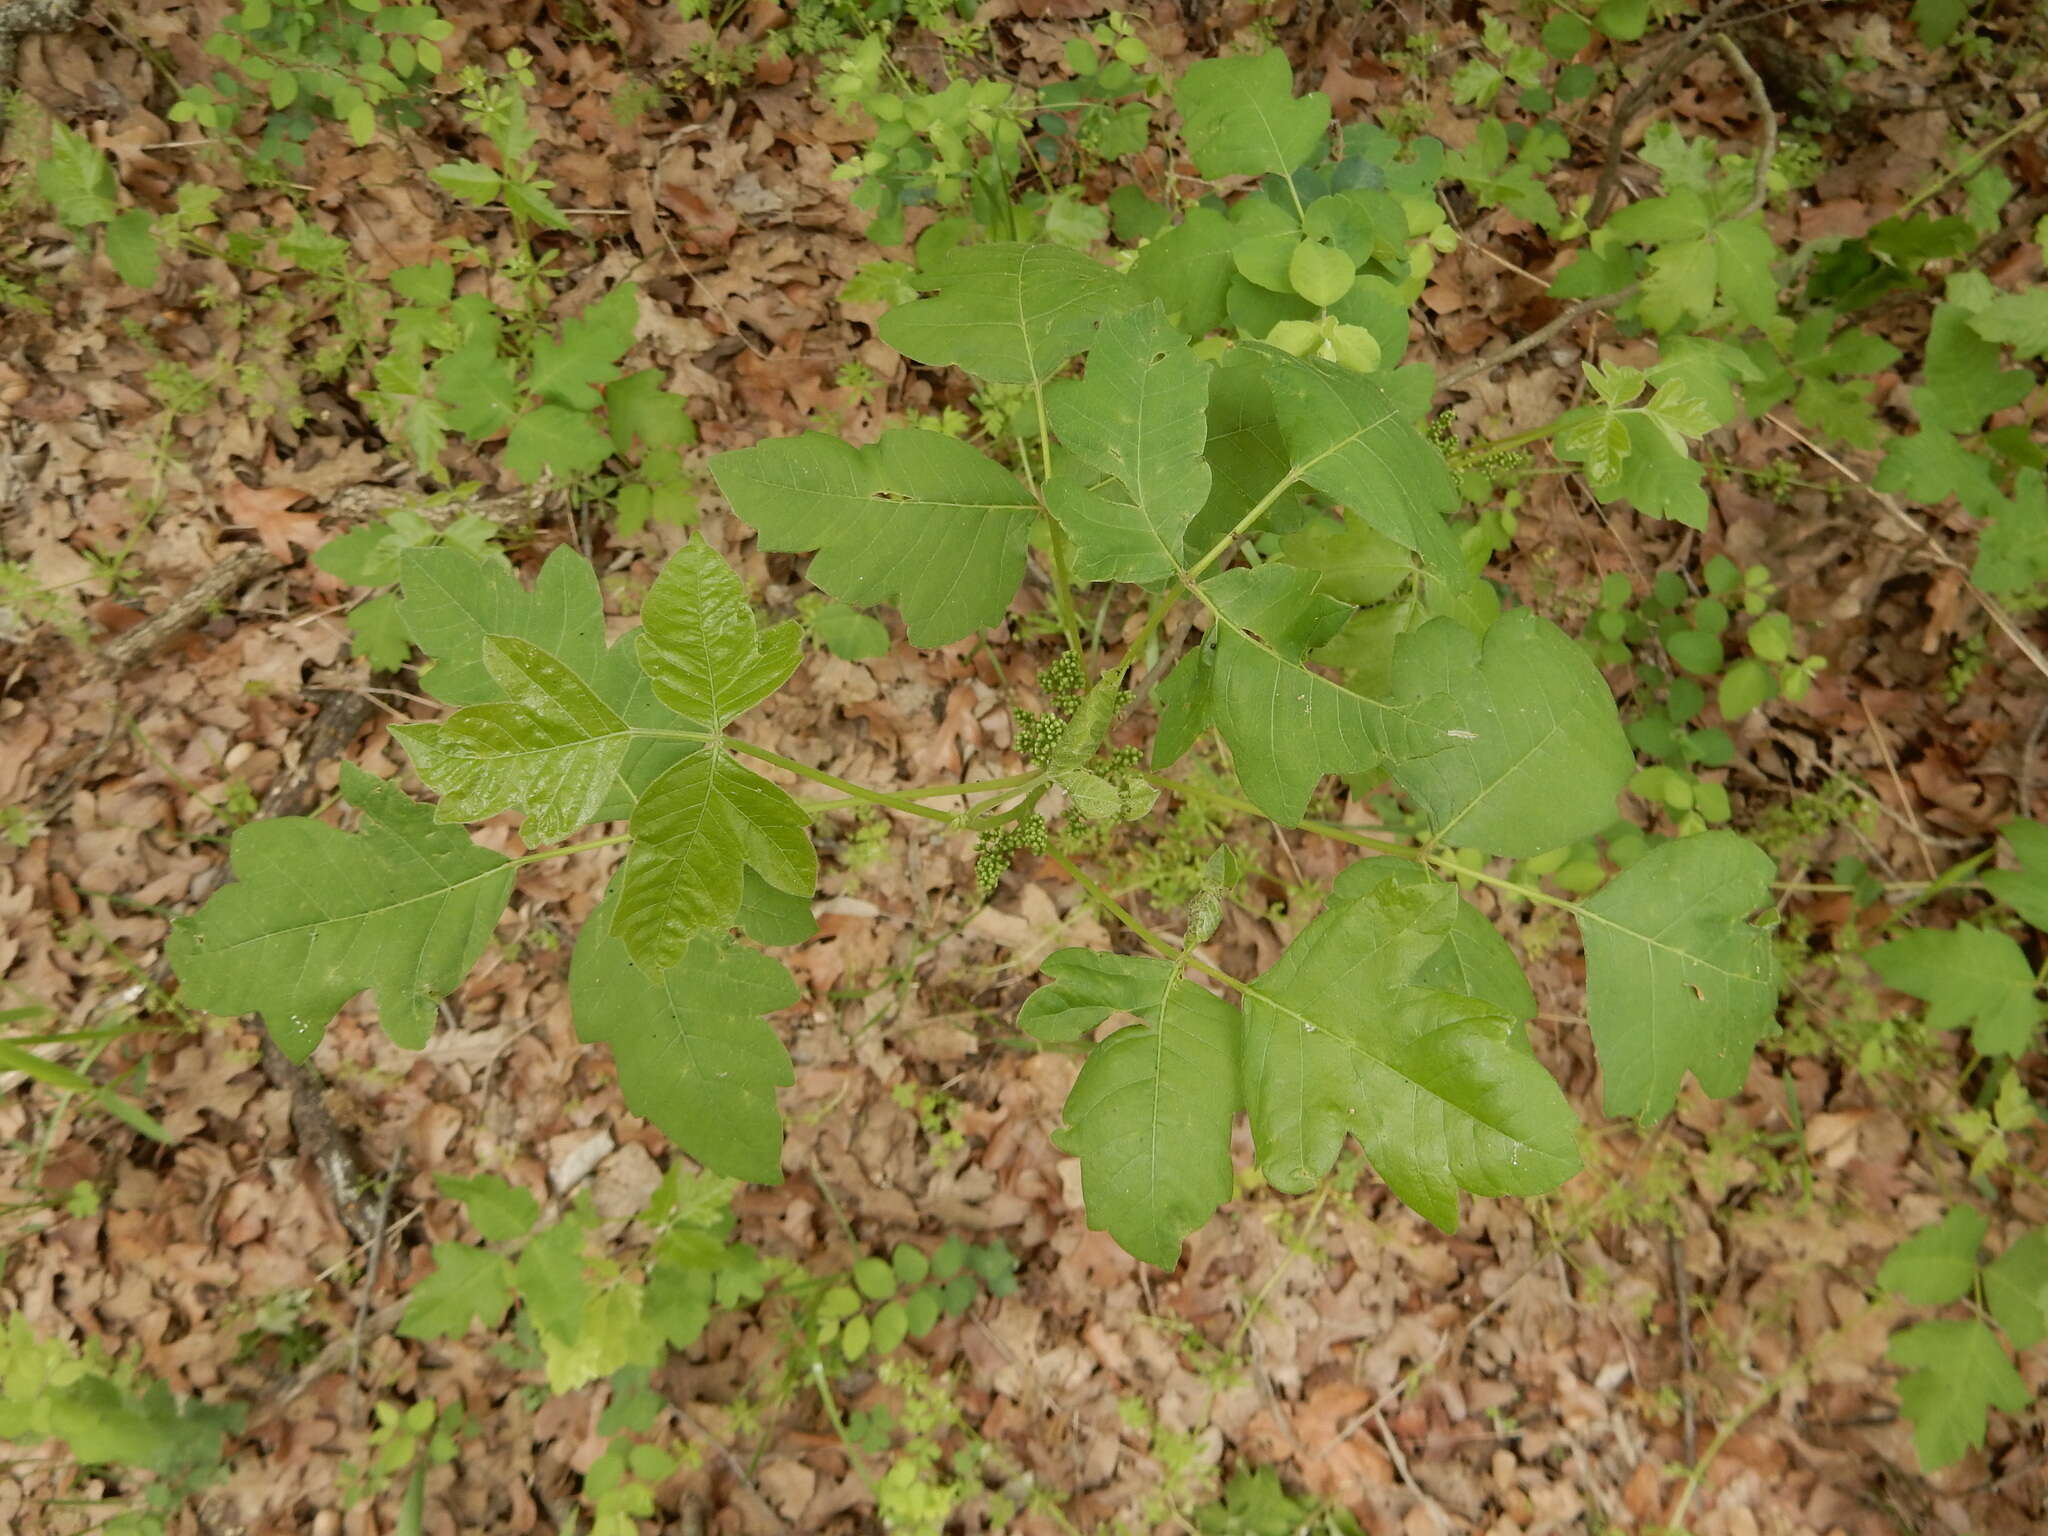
column 1760, row 186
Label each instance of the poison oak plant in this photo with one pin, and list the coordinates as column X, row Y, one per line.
column 1162, row 469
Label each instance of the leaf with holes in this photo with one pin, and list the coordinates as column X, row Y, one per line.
column 1677, row 977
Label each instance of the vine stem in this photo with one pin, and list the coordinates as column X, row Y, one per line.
column 1063, row 586
column 1151, row 936
column 899, row 802
column 565, row 851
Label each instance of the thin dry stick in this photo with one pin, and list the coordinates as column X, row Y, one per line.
column 1992, row 609
column 372, row 1270
column 1759, row 192
column 1681, row 1290
column 733, row 1465
column 1400, row 1460
column 1891, row 767
column 1676, row 57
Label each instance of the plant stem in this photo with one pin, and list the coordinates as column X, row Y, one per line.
column 1335, row 831
column 568, row 848
column 895, row 802
column 1063, row 587
column 1222, row 546
column 929, row 792
column 1152, row 937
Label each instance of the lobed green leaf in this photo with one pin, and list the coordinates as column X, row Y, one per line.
column 402, row 909
column 917, row 519
column 1677, row 978
column 695, row 1055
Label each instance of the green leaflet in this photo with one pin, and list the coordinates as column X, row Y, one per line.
column 1960, row 1372
column 1188, row 268
column 1351, row 439
column 1967, row 975
column 551, row 746
column 402, row 909
column 1008, row 313
column 1677, row 978
column 1285, row 725
column 2016, row 1289
column 695, row 831
column 453, row 601
column 695, row 1056
column 1240, row 117
column 466, row 1283
column 1247, row 454
column 1150, row 1115
column 1513, row 747
column 1139, row 419
column 570, row 371
column 1475, row 960
column 700, row 647
column 917, row 519
column 2025, row 889
column 1339, row 1041
column 1936, row 1264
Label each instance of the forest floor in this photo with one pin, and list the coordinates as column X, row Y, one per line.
column 1688, row 1326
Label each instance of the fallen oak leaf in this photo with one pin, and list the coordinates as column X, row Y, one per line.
column 262, row 508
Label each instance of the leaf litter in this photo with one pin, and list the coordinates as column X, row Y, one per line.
column 1527, row 1374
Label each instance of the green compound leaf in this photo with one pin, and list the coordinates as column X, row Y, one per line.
column 1150, row 1115
column 466, row 1283
column 1240, row 117
column 1677, row 978
column 917, row 519
column 551, row 747
column 695, row 831
column 1351, row 439
column 695, row 1055
column 2025, row 889
column 454, row 601
column 1966, row 975
column 2016, row 1289
column 1937, row 1264
column 1137, row 423
column 77, row 179
column 1008, row 313
column 1338, row 1041
column 499, row 1211
column 569, row 371
column 1960, row 1372
column 700, row 647
column 402, row 909
column 1513, row 747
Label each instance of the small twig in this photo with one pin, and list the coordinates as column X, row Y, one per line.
column 376, row 1264
column 1681, row 1288
column 1891, row 767
column 1992, row 609
column 1400, row 1460
column 2026, row 773
column 694, row 1426
column 1759, row 194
